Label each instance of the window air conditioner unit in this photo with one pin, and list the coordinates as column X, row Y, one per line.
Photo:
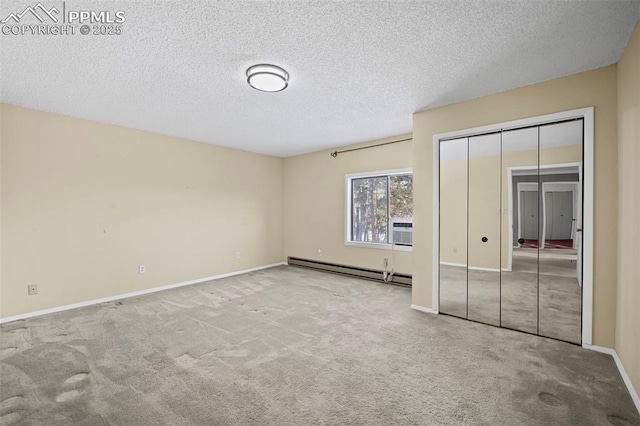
column 402, row 232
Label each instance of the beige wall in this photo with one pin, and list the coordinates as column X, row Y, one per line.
column 85, row 203
column 593, row 88
column 628, row 306
column 314, row 204
column 484, row 199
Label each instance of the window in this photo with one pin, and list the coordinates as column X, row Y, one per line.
column 379, row 208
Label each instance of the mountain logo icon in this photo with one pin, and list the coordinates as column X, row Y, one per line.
column 39, row 11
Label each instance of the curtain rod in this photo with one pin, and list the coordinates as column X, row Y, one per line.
column 334, row 154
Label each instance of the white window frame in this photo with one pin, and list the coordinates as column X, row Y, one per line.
column 347, row 208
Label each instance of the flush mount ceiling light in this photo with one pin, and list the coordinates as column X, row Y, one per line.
column 267, row 78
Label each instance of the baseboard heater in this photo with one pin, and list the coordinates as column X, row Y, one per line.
column 369, row 274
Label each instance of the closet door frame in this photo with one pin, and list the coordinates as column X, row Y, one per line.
column 587, row 114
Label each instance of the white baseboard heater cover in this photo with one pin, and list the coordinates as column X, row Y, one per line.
column 369, row 274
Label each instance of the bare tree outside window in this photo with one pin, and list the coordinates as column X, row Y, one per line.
column 401, row 196
column 369, row 209
column 374, row 200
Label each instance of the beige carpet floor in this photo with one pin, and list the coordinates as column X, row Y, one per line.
column 290, row 346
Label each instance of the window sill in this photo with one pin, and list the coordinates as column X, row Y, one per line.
column 379, row 246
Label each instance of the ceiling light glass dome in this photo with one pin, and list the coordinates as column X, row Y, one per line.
column 267, row 78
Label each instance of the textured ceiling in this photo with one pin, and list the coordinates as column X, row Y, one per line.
column 358, row 69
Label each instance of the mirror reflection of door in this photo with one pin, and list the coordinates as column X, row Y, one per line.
column 522, row 187
column 558, row 217
column 529, row 215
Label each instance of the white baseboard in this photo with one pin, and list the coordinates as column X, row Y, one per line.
column 602, row 349
column 423, row 309
column 475, row 268
column 478, row 268
column 132, row 294
column 461, row 265
column 623, row 372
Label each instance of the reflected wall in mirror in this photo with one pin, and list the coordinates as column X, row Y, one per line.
column 453, row 227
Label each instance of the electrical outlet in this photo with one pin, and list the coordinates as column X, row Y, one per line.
column 320, row 252
column 32, row 289
column 455, row 249
column 142, row 269
column 237, row 255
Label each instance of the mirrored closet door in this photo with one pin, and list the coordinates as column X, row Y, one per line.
column 560, row 248
column 483, row 267
column 453, row 226
column 510, row 229
column 520, row 224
